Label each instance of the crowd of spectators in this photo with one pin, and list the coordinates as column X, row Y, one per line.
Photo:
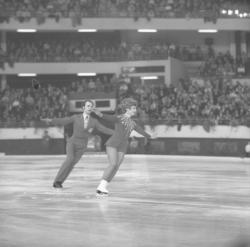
column 90, row 50
column 223, row 64
column 68, row 49
column 107, row 50
column 25, row 106
column 24, row 10
column 217, row 101
column 218, row 64
column 102, row 83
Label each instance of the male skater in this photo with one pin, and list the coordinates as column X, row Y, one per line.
column 83, row 125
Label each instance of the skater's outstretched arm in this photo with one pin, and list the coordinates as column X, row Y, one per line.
column 58, row 121
column 110, row 118
column 103, row 129
column 141, row 131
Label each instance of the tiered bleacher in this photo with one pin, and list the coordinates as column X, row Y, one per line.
column 210, row 11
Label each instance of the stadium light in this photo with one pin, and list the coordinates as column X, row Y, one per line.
column 26, row 74
column 147, row 30
column 26, row 30
column 87, row 30
column 86, row 74
column 149, row 77
column 207, row 30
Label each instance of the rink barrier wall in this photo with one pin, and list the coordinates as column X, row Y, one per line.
column 192, row 146
column 32, row 146
column 219, row 141
column 160, row 146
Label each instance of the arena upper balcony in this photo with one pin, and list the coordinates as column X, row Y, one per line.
column 185, row 17
column 125, row 15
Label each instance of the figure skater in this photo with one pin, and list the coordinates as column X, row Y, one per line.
column 83, row 125
column 117, row 144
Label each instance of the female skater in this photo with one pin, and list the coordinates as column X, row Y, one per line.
column 117, row 144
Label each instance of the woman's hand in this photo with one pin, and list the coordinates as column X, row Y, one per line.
column 150, row 137
column 97, row 112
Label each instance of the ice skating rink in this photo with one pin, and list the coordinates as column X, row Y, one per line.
column 154, row 201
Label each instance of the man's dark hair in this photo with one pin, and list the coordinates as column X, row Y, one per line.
column 86, row 101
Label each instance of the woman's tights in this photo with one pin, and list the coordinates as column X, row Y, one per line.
column 115, row 159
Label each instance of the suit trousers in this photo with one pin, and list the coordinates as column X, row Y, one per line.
column 74, row 152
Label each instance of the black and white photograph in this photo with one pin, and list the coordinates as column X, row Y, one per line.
column 124, row 123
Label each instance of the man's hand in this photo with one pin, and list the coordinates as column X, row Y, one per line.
column 97, row 112
column 46, row 120
column 147, row 140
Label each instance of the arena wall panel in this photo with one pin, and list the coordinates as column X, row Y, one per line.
column 192, row 146
column 224, row 141
column 32, row 146
column 74, row 68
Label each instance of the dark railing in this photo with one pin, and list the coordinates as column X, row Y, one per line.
column 110, row 58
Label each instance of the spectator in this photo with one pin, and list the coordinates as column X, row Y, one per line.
column 227, row 105
column 209, row 10
column 64, row 48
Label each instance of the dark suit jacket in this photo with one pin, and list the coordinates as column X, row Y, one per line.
column 81, row 132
